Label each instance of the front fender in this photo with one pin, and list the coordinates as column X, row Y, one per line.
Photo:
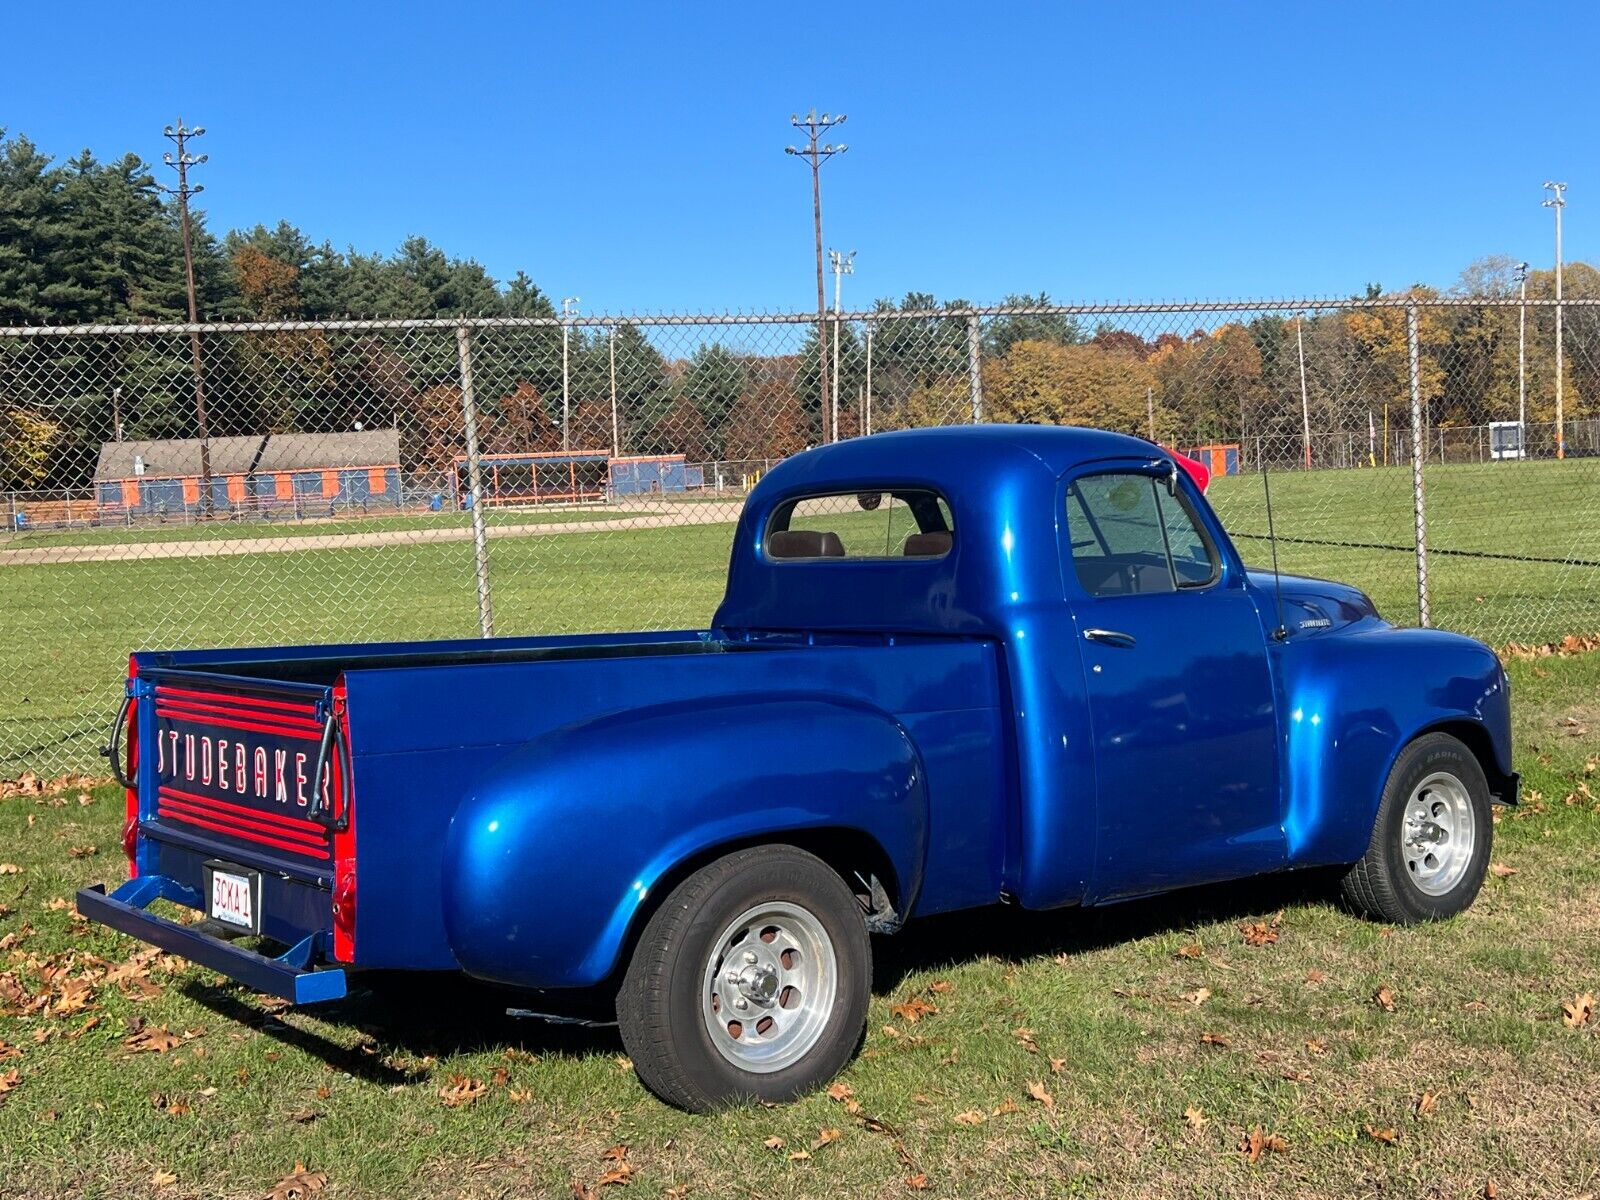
column 550, row 860
column 1352, row 701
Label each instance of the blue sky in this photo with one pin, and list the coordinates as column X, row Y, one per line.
column 632, row 155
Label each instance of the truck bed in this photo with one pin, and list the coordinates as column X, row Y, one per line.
column 432, row 726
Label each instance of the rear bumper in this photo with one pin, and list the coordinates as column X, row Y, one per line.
column 291, row 976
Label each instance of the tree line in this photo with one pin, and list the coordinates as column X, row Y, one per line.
column 90, row 242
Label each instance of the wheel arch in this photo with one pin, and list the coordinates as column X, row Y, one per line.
column 853, row 854
column 1503, row 784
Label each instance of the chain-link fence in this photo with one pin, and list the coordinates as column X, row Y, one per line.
column 165, row 486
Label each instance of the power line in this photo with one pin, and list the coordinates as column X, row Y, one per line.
column 817, row 152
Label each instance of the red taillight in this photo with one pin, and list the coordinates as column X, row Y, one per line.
column 341, row 807
column 130, row 822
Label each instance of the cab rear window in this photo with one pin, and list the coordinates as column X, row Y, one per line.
column 877, row 524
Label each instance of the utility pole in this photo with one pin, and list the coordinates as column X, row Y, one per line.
column 181, row 163
column 569, row 305
column 1558, row 201
column 616, row 439
column 1522, row 360
column 816, row 153
column 843, row 264
column 1305, row 404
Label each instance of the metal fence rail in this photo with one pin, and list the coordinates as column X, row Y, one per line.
column 380, row 479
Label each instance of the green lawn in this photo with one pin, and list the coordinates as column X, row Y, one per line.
column 69, row 627
column 1124, row 1019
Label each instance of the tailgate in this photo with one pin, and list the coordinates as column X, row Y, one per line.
column 229, row 766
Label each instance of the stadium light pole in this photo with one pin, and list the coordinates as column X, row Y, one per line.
column 843, row 264
column 1522, row 360
column 1558, row 201
column 816, row 152
column 181, row 162
column 569, row 305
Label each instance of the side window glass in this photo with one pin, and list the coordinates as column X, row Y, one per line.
column 1119, row 541
column 1194, row 559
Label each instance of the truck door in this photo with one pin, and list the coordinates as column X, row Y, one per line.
column 1180, row 691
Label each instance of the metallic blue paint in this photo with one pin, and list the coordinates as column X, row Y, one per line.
column 520, row 803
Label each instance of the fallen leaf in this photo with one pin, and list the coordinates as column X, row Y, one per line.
column 1490, row 1192
column 462, row 1091
column 1384, row 998
column 11, row 1079
column 10, row 869
column 971, row 1117
column 1198, row 997
column 826, row 1137
column 941, row 986
column 1427, row 1103
column 581, row 1190
column 799, row 1155
column 1315, row 976
column 774, row 1143
column 1385, row 1135
column 1256, row 1143
column 1056, row 1065
column 163, row 1178
column 1501, row 871
column 7, row 1050
column 1259, row 933
column 913, row 1010
column 615, row 1154
column 156, row 1040
column 1025, row 1040
column 1316, row 1046
column 1193, row 950
column 297, row 1184
column 1037, row 1091
column 1007, row 1105
column 918, row 1182
column 303, row 1116
column 1578, row 1011
column 1194, row 1117
column 618, row 1175
column 519, row 1095
column 1215, row 1039
column 841, row 1092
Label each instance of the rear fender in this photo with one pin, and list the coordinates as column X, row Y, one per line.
column 554, row 856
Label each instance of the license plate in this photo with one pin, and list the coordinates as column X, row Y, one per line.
column 234, row 898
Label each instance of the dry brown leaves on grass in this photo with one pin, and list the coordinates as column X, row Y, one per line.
column 1386, row 1135
column 1384, row 998
column 1426, row 1103
column 1501, row 871
column 619, row 1174
column 1578, row 1011
column 1262, row 933
column 1038, row 1091
column 462, row 1091
column 913, row 1009
column 971, row 1117
column 29, row 784
column 1194, row 1117
column 1258, row 1142
column 1567, row 647
column 154, row 1040
column 163, row 1178
column 297, row 1184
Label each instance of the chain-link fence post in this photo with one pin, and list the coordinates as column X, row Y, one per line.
column 1417, row 451
column 974, row 369
column 480, row 532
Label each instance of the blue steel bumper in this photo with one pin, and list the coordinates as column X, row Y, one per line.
column 291, row 975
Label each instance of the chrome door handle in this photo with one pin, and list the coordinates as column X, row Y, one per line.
column 1109, row 636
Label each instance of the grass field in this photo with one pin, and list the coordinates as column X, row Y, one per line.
column 68, row 626
column 1126, row 1053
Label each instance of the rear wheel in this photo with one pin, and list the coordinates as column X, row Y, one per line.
column 750, row 982
column 1430, row 843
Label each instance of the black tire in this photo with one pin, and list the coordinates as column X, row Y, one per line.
column 1384, row 885
column 661, row 1006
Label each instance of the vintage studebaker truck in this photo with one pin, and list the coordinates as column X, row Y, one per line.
column 952, row 667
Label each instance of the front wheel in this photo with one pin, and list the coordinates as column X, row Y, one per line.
column 1430, row 843
column 750, row 982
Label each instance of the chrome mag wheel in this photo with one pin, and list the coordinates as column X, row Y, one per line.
column 769, row 987
column 1439, row 833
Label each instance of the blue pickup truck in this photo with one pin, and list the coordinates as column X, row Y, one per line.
column 952, row 667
